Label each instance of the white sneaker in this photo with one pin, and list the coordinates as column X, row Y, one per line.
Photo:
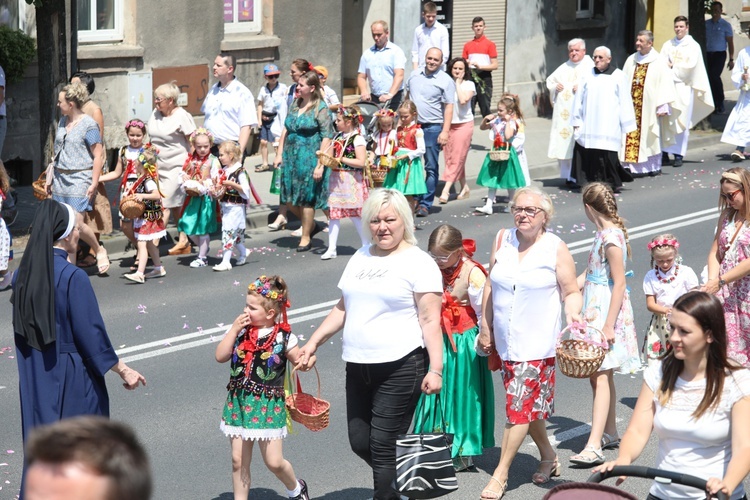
column 6, row 281
column 223, row 267
column 487, row 210
column 199, row 262
column 158, row 272
column 241, row 260
column 330, row 254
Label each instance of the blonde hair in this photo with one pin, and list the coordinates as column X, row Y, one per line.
column 168, row 91
column 4, row 179
column 311, row 78
column 382, row 197
column 231, row 148
column 545, row 201
column 599, row 197
column 740, row 177
column 660, row 244
column 76, row 93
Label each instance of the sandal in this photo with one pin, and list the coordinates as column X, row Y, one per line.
column 581, row 459
column 443, row 200
column 488, row 494
column 102, row 261
column 610, row 442
column 465, row 193
column 263, row 168
column 540, row 477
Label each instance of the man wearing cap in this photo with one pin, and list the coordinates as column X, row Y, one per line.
column 229, row 107
column 380, row 76
column 433, row 92
column 272, row 111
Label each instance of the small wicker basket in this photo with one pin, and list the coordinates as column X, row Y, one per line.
column 40, row 187
column 500, row 154
column 378, row 176
column 580, row 358
column 192, row 188
column 310, row 411
column 328, row 160
column 132, row 208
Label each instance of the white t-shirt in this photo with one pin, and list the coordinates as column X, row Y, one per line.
column 330, row 97
column 382, row 321
column 462, row 112
column 667, row 293
column 703, row 447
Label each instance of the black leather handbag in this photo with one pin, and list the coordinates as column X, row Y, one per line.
column 424, row 468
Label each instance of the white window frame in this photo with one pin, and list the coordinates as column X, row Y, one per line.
column 103, row 35
column 236, row 26
column 584, row 13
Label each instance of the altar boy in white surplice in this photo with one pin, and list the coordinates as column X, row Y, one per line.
column 737, row 129
column 562, row 86
column 653, row 92
column 694, row 100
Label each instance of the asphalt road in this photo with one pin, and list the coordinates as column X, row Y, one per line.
column 167, row 329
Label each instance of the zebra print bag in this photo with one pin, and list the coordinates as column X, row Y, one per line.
column 424, row 468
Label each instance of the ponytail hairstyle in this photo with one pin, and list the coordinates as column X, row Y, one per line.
column 445, row 237
column 148, row 157
column 302, row 65
column 708, row 312
column 599, row 197
column 513, row 104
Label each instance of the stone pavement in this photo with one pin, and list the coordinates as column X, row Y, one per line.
column 537, row 139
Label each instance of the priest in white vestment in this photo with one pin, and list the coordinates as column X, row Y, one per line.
column 652, row 91
column 563, row 85
column 693, row 100
column 737, row 129
column 602, row 114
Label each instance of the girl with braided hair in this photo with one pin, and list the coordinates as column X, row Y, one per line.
column 149, row 227
column 606, row 306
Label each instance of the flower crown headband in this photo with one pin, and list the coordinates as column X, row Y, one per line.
column 135, row 123
column 262, row 286
column 202, row 131
column 351, row 114
column 386, row 113
column 664, row 242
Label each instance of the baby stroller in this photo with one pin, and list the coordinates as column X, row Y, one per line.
column 368, row 110
column 593, row 490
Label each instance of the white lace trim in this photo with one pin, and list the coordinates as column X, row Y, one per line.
column 252, row 434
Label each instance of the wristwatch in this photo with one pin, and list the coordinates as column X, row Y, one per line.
column 721, row 282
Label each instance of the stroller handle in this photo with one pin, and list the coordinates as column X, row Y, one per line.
column 661, row 476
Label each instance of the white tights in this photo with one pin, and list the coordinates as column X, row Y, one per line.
column 201, row 241
column 334, row 226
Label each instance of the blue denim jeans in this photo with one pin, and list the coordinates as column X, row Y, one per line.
column 380, row 403
column 431, row 162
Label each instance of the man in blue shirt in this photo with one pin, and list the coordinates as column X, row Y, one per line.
column 380, row 76
column 433, row 92
column 719, row 37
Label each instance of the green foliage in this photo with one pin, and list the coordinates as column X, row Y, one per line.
column 17, row 50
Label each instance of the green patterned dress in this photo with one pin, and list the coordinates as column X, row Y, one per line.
column 304, row 133
column 255, row 408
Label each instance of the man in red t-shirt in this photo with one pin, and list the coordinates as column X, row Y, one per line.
column 482, row 56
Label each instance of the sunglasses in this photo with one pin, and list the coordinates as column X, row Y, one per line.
column 272, row 77
column 529, row 211
column 730, row 196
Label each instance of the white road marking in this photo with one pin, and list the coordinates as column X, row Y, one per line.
column 556, row 439
column 166, row 346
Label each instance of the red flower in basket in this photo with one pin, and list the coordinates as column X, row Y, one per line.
column 338, row 149
column 499, row 143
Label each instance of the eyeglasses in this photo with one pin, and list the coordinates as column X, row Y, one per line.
column 529, row 211
column 730, row 196
column 598, row 57
column 157, row 100
column 272, row 77
column 440, row 258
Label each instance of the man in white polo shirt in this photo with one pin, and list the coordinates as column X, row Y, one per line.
column 229, row 107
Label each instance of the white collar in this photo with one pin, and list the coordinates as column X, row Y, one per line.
column 648, row 58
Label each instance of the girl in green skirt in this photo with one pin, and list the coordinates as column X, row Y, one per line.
column 408, row 175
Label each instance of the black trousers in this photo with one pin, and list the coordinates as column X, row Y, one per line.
column 714, row 66
column 483, row 96
column 395, row 100
column 380, row 403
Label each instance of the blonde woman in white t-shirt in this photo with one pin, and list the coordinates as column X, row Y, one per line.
column 698, row 403
column 390, row 314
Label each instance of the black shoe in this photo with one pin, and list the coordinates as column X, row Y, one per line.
column 303, row 494
column 677, row 161
column 665, row 159
column 655, row 173
column 304, row 248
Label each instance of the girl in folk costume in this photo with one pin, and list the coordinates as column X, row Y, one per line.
column 506, row 132
column 606, row 306
column 468, row 396
column 126, row 168
column 385, row 137
column 347, row 191
column 149, row 227
column 232, row 188
column 6, row 254
column 198, row 217
column 666, row 282
column 259, row 343
column 408, row 176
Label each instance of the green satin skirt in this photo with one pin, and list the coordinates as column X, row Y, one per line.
column 467, row 399
column 199, row 217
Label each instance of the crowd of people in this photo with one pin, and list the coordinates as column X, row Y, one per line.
column 414, row 323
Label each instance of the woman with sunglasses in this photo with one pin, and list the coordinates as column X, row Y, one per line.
column 468, row 407
column 729, row 265
column 531, row 273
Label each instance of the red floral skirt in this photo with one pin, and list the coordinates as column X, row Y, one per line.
column 529, row 390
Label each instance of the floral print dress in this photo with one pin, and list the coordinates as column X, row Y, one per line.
column 255, row 408
column 734, row 296
column 597, row 294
